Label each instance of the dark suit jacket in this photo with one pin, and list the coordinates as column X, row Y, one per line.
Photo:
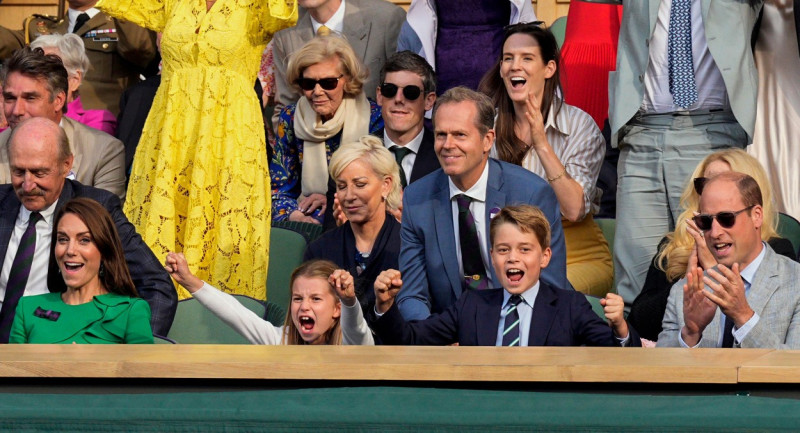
column 426, row 161
column 428, row 261
column 149, row 276
column 560, row 318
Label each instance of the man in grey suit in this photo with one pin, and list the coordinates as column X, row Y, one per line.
column 370, row 26
column 751, row 298
column 685, row 86
column 35, row 85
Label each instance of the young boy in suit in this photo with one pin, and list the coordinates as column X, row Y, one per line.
column 525, row 312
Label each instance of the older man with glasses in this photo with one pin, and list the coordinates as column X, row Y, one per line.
column 751, row 298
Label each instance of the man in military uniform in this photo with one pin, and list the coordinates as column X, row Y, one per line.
column 119, row 51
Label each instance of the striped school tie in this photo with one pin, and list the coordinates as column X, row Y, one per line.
column 18, row 276
column 511, row 327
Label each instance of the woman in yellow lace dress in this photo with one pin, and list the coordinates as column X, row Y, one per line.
column 200, row 179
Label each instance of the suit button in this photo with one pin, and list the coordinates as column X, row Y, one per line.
column 641, row 78
column 647, row 42
column 105, row 46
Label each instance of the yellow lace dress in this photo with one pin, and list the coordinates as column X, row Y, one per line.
column 200, row 179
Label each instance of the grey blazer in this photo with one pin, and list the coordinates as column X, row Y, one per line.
column 371, row 27
column 774, row 295
column 99, row 157
column 728, row 25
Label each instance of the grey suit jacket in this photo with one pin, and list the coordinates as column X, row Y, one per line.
column 371, row 27
column 99, row 157
column 774, row 295
column 728, row 25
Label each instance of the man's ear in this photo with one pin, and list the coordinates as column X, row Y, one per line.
column 430, row 99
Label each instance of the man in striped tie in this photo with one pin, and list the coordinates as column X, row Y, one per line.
column 525, row 312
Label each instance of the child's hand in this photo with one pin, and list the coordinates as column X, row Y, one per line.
column 178, row 269
column 343, row 283
column 387, row 285
column 614, row 309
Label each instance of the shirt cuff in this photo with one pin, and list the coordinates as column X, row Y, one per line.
column 683, row 343
column 624, row 341
column 377, row 314
column 741, row 333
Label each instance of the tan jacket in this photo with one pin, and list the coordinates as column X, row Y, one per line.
column 99, row 158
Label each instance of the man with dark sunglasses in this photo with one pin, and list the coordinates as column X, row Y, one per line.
column 406, row 92
column 751, row 298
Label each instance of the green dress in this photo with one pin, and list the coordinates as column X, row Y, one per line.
column 106, row 319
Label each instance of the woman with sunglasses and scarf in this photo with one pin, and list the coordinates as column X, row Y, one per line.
column 678, row 248
column 559, row 142
column 332, row 110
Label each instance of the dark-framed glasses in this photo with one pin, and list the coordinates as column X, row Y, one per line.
column 326, row 83
column 411, row 92
column 725, row 219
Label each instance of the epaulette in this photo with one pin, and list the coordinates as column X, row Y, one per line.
column 40, row 25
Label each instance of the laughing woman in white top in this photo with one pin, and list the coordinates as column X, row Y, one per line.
column 315, row 316
column 559, row 142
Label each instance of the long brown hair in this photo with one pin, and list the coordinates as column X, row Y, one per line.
column 115, row 276
column 311, row 269
column 509, row 147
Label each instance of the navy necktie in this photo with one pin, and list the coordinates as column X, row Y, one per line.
column 18, row 276
column 511, row 327
column 474, row 271
column 682, row 83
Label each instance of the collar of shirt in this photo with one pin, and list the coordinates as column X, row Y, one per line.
column 750, row 270
column 24, row 215
column 412, row 145
column 559, row 124
column 72, row 14
column 477, row 191
column 335, row 23
column 529, row 296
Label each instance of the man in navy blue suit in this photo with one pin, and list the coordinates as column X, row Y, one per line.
column 431, row 258
column 526, row 312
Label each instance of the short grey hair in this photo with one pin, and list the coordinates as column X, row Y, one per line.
column 70, row 48
column 371, row 150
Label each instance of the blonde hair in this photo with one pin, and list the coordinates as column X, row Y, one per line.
column 674, row 256
column 311, row 269
column 371, row 150
column 322, row 48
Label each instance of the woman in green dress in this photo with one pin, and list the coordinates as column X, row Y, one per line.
column 92, row 299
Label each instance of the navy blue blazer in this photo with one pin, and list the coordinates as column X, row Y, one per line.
column 428, row 260
column 426, row 161
column 151, row 280
column 560, row 318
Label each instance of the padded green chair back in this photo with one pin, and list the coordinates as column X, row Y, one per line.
column 286, row 248
column 789, row 228
column 309, row 231
column 607, row 225
column 596, row 307
column 195, row 324
column 559, row 29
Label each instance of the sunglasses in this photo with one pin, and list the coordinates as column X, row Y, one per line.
column 411, row 93
column 725, row 219
column 699, row 184
column 326, row 83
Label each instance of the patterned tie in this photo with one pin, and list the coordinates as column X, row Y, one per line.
column 474, row 272
column 679, row 54
column 18, row 276
column 399, row 154
column 323, row 30
column 511, row 327
column 80, row 21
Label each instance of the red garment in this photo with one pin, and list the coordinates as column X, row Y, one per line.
column 588, row 54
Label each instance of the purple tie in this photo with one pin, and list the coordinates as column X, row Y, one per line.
column 474, row 272
column 18, row 276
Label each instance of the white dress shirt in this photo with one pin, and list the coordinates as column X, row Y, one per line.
column 72, row 14
column 335, row 23
column 37, row 280
column 411, row 157
column 478, row 208
column 710, row 86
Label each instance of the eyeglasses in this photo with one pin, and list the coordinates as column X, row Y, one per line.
column 388, row 90
column 725, row 219
column 699, row 183
column 326, row 83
